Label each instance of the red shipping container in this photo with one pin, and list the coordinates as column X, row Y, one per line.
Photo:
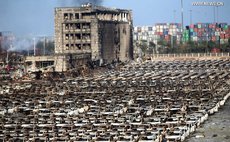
column 227, row 32
column 218, row 29
column 201, row 30
column 222, row 36
column 210, row 26
column 215, row 50
column 195, row 29
column 199, row 33
column 192, row 26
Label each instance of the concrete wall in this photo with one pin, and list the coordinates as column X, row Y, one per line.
column 126, row 42
column 108, row 33
column 95, row 43
column 62, row 62
column 58, row 31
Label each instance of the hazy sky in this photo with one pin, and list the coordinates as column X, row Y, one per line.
column 36, row 17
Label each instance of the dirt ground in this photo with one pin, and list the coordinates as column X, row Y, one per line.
column 216, row 128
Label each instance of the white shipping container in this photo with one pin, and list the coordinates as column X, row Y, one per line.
column 151, row 32
column 142, row 29
column 222, row 41
column 135, row 37
column 146, row 28
column 140, row 37
column 194, row 38
column 217, row 33
column 144, row 37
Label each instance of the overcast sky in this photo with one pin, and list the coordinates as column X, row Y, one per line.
column 36, row 17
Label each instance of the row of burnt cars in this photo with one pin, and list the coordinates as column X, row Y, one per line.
column 150, row 101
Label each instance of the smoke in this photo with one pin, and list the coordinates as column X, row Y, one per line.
column 78, row 2
column 21, row 44
column 93, row 2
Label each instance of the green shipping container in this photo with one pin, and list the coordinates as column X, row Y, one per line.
column 185, row 38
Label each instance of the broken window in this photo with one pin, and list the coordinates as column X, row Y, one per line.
column 67, row 46
column 86, row 46
column 86, row 15
column 86, row 26
column 78, row 36
column 71, row 36
column 78, row 26
column 78, row 46
column 66, row 16
column 67, row 26
column 71, row 16
column 67, row 36
column 77, row 16
column 71, row 26
column 86, row 36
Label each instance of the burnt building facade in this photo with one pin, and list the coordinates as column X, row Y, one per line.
column 104, row 33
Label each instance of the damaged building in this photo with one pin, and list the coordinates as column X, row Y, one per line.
column 104, row 34
column 89, row 33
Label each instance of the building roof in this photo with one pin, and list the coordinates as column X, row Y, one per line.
column 93, row 9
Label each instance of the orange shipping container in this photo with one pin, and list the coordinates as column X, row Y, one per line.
column 195, row 29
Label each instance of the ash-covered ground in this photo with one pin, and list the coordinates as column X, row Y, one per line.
column 216, row 128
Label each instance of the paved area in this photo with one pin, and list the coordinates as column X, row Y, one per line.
column 216, row 128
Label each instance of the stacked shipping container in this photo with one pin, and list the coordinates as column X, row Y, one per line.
column 144, row 33
column 160, row 31
column 208, row 32
column 167, row 31
column 195, row 32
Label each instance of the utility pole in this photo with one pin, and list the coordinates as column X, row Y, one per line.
column 174, row 15
column 44, row 46
column 217, row 14
column 190, row 16
column 34, row 47
column 182, row 20
column 182, row 15
column 214, row 13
